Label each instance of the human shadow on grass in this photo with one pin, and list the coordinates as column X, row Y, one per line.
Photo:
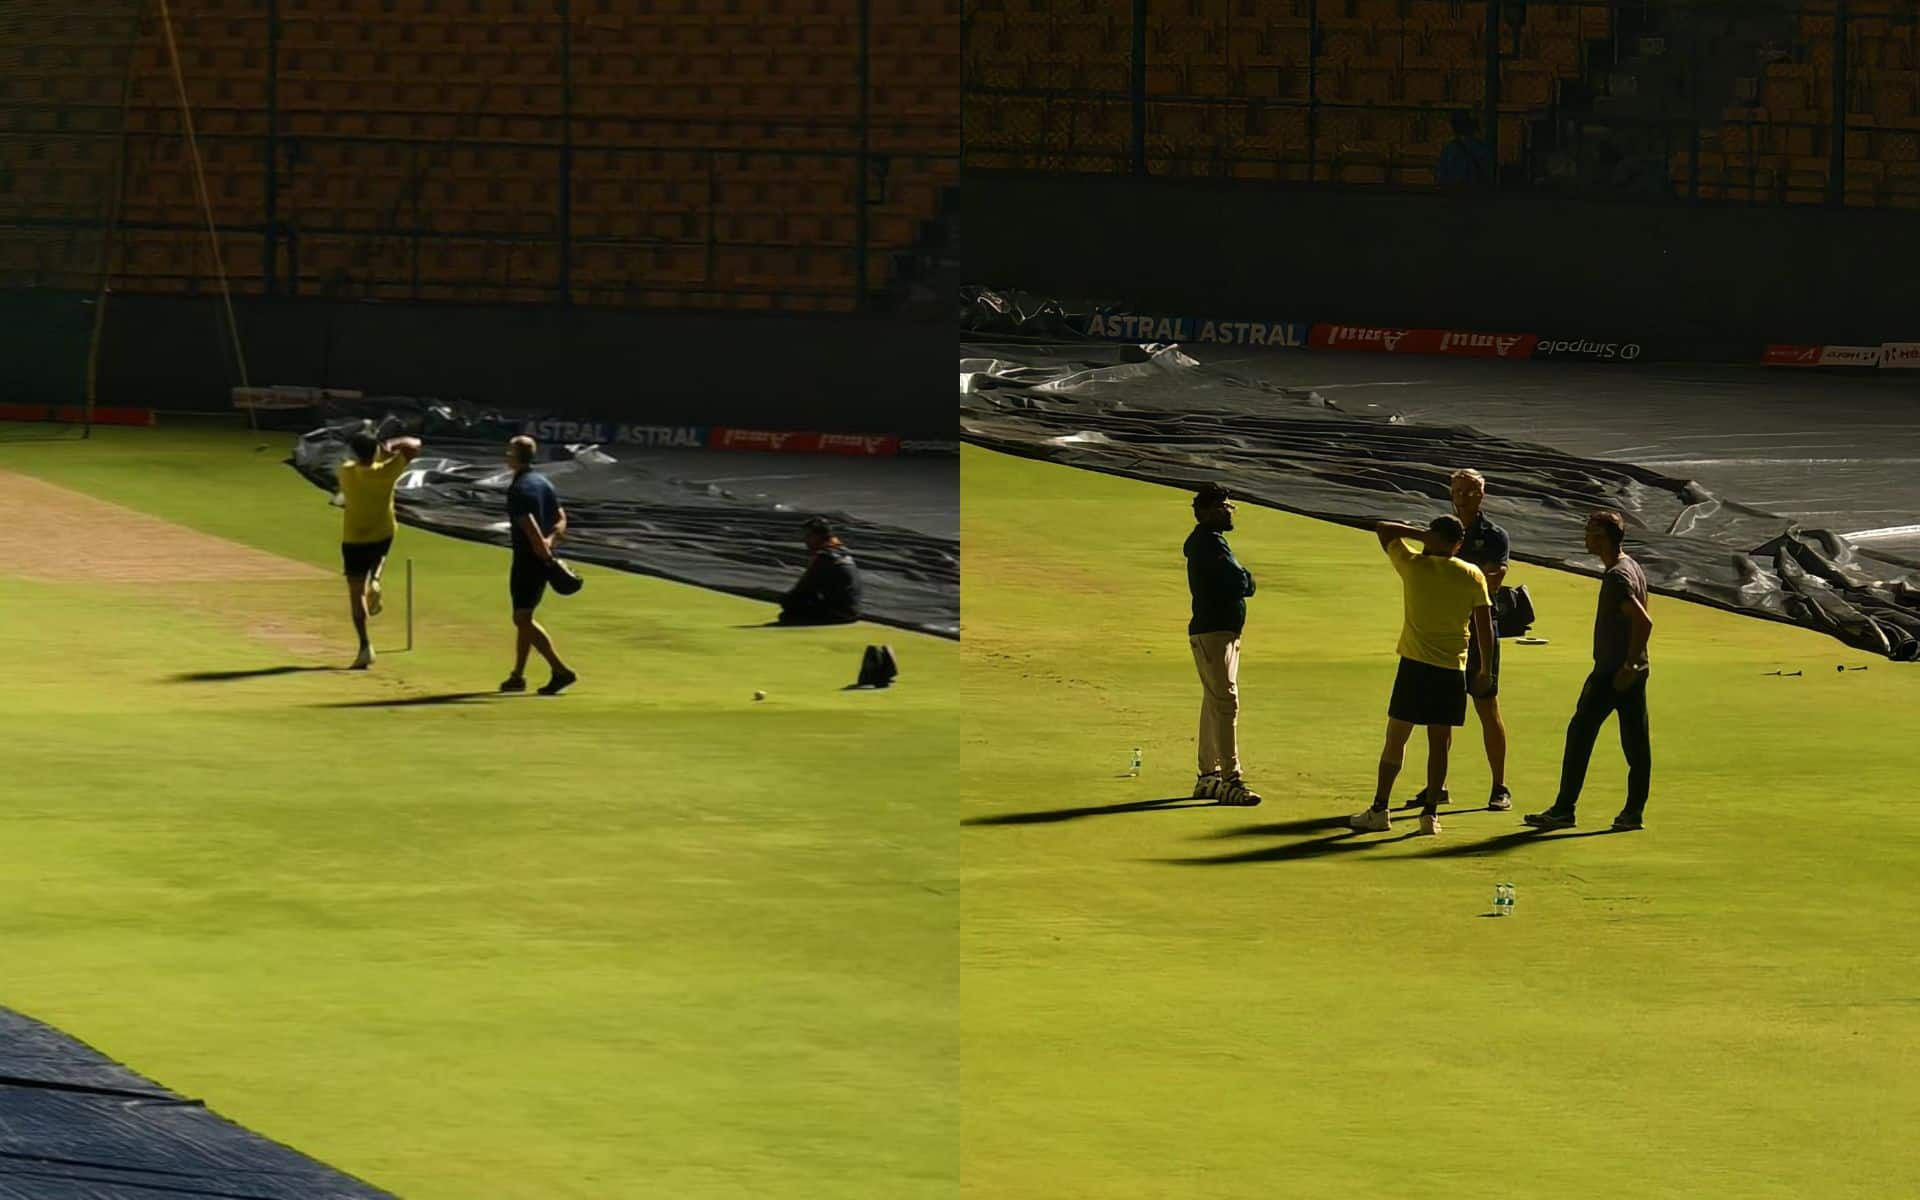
column 252, row 673
column 1347, row 841
column 1048, row 816
column 1311, row 825
column 413, row 701
column 1506, row 843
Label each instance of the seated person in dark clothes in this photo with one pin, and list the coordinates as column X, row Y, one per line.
column 829, row 592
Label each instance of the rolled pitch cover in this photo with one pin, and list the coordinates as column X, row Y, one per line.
column 560, row 578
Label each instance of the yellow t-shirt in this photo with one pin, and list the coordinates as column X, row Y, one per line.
column 1439, row 596
column 368, row 491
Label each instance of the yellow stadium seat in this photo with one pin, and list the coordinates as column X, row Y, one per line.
column 1529, row 83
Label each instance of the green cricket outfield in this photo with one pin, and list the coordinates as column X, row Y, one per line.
column 1181, row 1000
column 649, row 938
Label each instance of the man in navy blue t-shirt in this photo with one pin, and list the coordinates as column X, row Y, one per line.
column 1486, row 547
column 537, row 522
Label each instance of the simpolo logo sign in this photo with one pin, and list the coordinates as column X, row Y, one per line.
column 1588, row 350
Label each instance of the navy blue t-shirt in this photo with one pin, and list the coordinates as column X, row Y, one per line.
column 1486, row 545
column 531, row 495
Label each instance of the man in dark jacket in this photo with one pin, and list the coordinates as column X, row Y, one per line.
column 829, row 592
column 1220, row 587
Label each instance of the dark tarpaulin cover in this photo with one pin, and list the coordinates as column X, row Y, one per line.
column 75, row 1125
column 627, row 510
column 1154, row 413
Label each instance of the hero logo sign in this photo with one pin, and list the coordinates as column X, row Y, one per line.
column 1900, row 356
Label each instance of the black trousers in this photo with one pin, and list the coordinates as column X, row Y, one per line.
column 1598, row 700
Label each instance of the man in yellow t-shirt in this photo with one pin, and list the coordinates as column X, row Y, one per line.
column 1444, row 601
column 367, row 481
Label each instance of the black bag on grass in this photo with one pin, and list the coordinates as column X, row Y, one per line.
column 1512, row 611
column 877, row 667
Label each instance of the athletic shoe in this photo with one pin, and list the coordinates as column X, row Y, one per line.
column 1627, row 820
column 364, row 660
column 1429, row 822
column 1420, row 801
column 1206, row 787
column 373, row 599
column 514, row 683
column 1500, row 801
column 1234, row 793
column 1371, row 820
column 560, row 682
column 1552, row 818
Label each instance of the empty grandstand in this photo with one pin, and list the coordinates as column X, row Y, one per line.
column 1754, row 103
column 696, row 154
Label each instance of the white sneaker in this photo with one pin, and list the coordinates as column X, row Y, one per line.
column 1206, row 787
column 1429, row 823
column 364, row 660
column 373, row 599
column 1236, row 794
column 1371, row 820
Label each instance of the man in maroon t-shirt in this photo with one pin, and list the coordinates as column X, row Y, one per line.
column 1621, row 628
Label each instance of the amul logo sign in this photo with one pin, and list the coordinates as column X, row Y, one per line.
column 1358, row 337
column 1498, row 345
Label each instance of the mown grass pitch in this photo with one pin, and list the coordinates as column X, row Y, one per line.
column 1199, row 1001
column 650, row 938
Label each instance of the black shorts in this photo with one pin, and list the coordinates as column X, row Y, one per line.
column 363, row 558
column 1428, row 695
column 527, row 582
column 1493, row 670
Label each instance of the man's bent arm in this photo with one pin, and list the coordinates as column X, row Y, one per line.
column 541, row 546
column 1387, row 531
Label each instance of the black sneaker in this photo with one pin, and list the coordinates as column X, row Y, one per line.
column 1500, row 800
column 561, row 681
column 1552, row 818
column 514, row 683
column 1628, row 819
column 1420, row 801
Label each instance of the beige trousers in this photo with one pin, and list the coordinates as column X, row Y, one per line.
column 1217, row 655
